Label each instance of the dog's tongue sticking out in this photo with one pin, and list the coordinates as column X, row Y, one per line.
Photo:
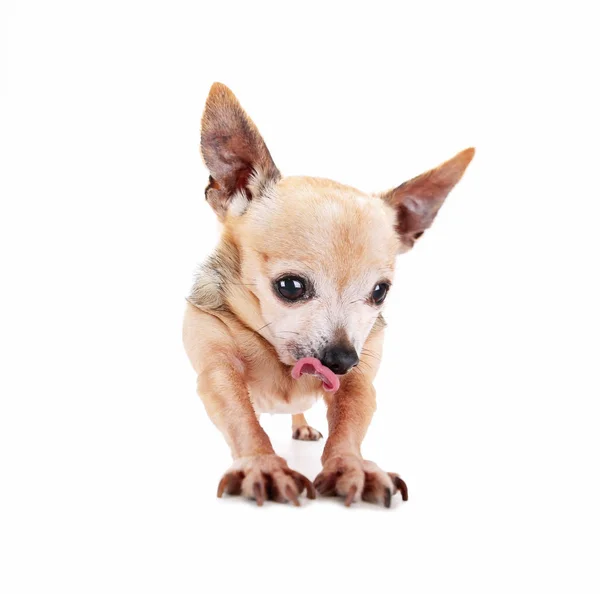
column 312, row 366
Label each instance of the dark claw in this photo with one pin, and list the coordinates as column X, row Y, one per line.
column 296, row 434
column 401, row 486
column 222, row 484
column 387, row 498
column 271, row 490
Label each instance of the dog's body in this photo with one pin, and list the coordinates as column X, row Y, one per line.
column 287, row 310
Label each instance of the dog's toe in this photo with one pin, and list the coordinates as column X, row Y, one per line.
column 306, row 433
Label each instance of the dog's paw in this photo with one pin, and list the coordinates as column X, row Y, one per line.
column 306, row 433
column 264, row 478
column 353, row 478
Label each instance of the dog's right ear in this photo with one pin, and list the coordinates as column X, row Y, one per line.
column 234, row 152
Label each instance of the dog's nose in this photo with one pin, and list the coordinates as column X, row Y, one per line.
column 340, row 359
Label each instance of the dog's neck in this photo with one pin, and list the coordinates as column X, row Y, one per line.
column 219, row 287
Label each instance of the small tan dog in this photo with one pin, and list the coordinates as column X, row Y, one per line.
column 288, row 308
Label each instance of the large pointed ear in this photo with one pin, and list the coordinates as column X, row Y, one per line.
column 234, row 152
column 418, row 200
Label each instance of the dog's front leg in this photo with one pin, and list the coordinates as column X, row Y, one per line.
column 345, row 473
column 257, row 472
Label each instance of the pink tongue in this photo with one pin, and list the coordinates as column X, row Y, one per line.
column 312, row 366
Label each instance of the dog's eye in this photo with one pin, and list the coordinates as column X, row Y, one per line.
column 379, row 293
column 291, row 288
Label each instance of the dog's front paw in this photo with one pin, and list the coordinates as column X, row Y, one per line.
column 265, row 477
column 352, row 478
column 306, row 433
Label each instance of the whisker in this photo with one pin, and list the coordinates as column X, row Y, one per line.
column 222, row 284
column 369, row 366
column 240, row 284
column 263, row 327
column 359, row 370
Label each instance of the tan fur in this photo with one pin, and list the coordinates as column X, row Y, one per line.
column 242, row 339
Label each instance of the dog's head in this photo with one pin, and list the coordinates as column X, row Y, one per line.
column 318, row 256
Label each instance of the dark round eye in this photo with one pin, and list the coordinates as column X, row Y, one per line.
column 379, row 293
column 291, row 288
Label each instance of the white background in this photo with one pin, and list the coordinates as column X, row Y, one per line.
column 488, row 393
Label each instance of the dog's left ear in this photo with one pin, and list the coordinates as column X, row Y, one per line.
column 418, row 200
column 233, row 149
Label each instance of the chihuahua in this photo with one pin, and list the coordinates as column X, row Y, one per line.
column 287, row 309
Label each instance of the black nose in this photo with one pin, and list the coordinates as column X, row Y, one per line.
column 340, row 359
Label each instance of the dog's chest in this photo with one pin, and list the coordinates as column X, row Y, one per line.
column 268, row 397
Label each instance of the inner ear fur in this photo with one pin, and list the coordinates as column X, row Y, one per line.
column 233, row 150
column 418, row 200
